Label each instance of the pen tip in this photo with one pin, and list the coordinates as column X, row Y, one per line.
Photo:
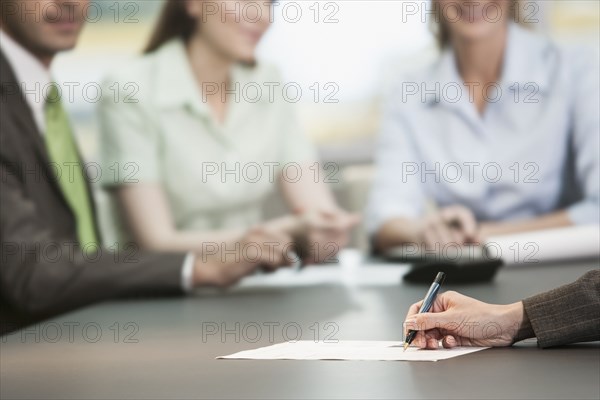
column 405, row 346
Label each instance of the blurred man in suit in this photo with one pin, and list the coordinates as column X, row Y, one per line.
column 50, row 256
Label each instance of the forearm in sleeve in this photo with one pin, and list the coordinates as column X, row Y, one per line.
column 568, row 314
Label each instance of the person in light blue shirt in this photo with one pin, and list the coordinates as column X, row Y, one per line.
column 501, row 133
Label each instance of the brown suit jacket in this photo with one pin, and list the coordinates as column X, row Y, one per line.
column 42, row 271
column 568, row 314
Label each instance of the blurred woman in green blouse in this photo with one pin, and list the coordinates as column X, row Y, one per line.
column 206, row 140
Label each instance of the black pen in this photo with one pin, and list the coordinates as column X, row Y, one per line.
column 427, row 303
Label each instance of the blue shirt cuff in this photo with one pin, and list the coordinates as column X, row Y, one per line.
column 584, row 212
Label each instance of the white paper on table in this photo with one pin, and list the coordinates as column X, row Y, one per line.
column 570, row 243
column 348, row 350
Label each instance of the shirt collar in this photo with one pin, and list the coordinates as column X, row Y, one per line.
column 32, row 76
column 177, row 84
column 526, row 61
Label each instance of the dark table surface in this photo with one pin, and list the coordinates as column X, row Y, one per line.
column 166, row 348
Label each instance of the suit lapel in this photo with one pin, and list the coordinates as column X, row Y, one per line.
column 17, row 106
column 20, row 111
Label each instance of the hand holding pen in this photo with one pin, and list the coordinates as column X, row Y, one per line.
column 458, row 320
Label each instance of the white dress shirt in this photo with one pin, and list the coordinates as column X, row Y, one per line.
column 507, row 164
column 34, row 79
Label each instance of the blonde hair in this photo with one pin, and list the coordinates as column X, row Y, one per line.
column 439, row 26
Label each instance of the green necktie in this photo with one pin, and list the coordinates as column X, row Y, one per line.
column 63, row 151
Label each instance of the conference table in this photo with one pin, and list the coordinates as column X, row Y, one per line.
column 167, row 348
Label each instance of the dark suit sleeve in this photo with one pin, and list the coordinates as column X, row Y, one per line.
column 41, row 274
column 568, row 314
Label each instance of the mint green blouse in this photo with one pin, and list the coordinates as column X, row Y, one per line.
column 159, row 129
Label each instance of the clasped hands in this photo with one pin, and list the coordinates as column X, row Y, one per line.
column 310, row 237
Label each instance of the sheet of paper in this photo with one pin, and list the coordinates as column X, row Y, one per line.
column 348, row 350
column 548, row 245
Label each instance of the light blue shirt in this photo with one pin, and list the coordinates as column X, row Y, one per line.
column 541, row 123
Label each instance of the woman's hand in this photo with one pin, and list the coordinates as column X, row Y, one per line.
column 458, row 320
column 260, row 247
column 320, row 235
column 453, row 224
column 317, row 235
